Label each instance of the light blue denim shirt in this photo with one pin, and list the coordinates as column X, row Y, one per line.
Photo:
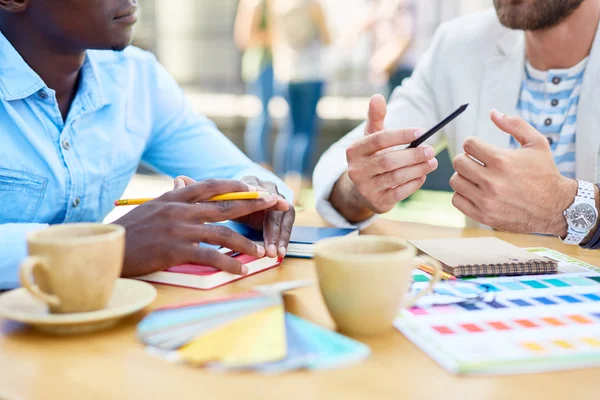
column 127, row 110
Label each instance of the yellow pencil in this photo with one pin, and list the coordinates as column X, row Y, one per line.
column 429, row 270
column 221, row 197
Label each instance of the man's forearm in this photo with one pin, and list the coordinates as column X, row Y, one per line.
column 348, row 202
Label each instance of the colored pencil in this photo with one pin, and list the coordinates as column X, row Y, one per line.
column 429, row 270
column 221, row 197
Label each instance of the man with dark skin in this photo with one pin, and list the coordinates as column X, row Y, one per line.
column 80, row 108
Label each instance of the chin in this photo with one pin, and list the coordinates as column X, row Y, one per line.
column 122, row 44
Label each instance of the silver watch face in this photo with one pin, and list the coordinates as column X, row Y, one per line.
column 581, row 217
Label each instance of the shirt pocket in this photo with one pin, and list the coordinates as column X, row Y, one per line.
column 112, row 188
column 21, row 195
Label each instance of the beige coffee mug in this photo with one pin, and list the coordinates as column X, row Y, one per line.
column 365, row 279
column 74, row 266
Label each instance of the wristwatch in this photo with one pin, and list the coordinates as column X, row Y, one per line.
column 582, row 215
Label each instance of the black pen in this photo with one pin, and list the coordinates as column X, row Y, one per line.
column 420, row 140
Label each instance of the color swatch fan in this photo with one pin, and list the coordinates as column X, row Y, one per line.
column 245, row 332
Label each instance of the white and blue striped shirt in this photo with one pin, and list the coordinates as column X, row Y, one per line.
column 548, row 101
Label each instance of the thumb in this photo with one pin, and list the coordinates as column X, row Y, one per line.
column 524, row 133
column 376, row 114
column 182, row 181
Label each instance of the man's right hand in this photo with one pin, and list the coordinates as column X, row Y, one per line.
column 166, row 231
column 383, row 176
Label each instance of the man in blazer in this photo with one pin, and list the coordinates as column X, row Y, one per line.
column 529, row 70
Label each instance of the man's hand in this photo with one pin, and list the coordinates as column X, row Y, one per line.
column 166, row 231
column 276, row 222
column 383, row 176
column 518, row 190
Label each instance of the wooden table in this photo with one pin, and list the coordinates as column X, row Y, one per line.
column 113, row 364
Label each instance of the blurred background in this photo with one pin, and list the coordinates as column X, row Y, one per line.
column 206, row 45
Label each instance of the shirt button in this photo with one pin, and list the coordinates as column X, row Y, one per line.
column 66, row 145
column 554, row 102
column 548, row 121
column 76, row 202
column 42, row 94
column 556, row 80
column 550, row 141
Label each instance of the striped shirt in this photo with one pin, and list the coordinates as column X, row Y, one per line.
column 548, row 101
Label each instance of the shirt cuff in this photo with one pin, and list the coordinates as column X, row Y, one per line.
column 13, row 250
column 328, row 211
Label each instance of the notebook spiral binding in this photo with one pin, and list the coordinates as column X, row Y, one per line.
column 533, row 267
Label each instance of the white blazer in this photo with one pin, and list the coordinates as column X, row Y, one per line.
column 475, row 60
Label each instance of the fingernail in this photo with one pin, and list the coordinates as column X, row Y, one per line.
column 497, row 113
column 282, row 251
column 260, row 250
column 429, row 152
column 179, row 183
column 433, row 163
column 244, row 270
column 419, row 132
column 272, row 250
column 251, row 188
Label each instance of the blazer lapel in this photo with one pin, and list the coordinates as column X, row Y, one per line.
column 587, row 127
column 501, row 85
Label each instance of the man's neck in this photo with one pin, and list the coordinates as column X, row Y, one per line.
column 58, row 67
column 564, row 45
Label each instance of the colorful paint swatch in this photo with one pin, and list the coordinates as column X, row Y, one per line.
column 500, row 326
column 445, row 309
column 520, row 302
column 563, row 344
column 544, row 300
column 495, row 304
column 592, row 297
column 444, row 330
column 535, row 284
column 597, row 315
column 595, row 278
column 591, row 341
column 580, row 281
column 553, row 321
column 580, row 319
column 469, row 306
column 420, row 278
column 533, row 346
column 491, row 288
column 569, row 299
column 466, row 290
column 418, row 311
column 512, row 285
column 471, row 328
column 557, row 282
column 525, row 323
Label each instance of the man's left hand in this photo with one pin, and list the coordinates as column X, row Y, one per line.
column 516, row 190
column 276, row 223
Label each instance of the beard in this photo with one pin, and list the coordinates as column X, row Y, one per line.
column 532, row 15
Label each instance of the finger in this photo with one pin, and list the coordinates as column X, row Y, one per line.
column 182, row 181
column 204, row 190
column 466, row 206
column 524, row 133
column 271, row 231
column 376, row 114
column 270, row 187
column 222, row 236
column 285, row 233
column 397, row 159
column 392, row 196
column 212, row 258
column 224, row 210
column 469, row 168
column 465, row 188
column 390, row 180
column 481, row 150
column 179, row 183
column 379, row 141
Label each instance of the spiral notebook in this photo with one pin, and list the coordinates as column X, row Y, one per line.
column 488, row 256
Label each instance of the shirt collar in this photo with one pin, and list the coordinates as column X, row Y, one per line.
column 17, row 79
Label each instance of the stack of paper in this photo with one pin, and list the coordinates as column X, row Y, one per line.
column 245, row 332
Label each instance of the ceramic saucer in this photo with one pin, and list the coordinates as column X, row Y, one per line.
column 129, row 296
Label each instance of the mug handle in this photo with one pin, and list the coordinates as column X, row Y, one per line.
column 27, row 267
column 437, row 276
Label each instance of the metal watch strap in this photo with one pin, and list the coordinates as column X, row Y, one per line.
column 585, row 191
